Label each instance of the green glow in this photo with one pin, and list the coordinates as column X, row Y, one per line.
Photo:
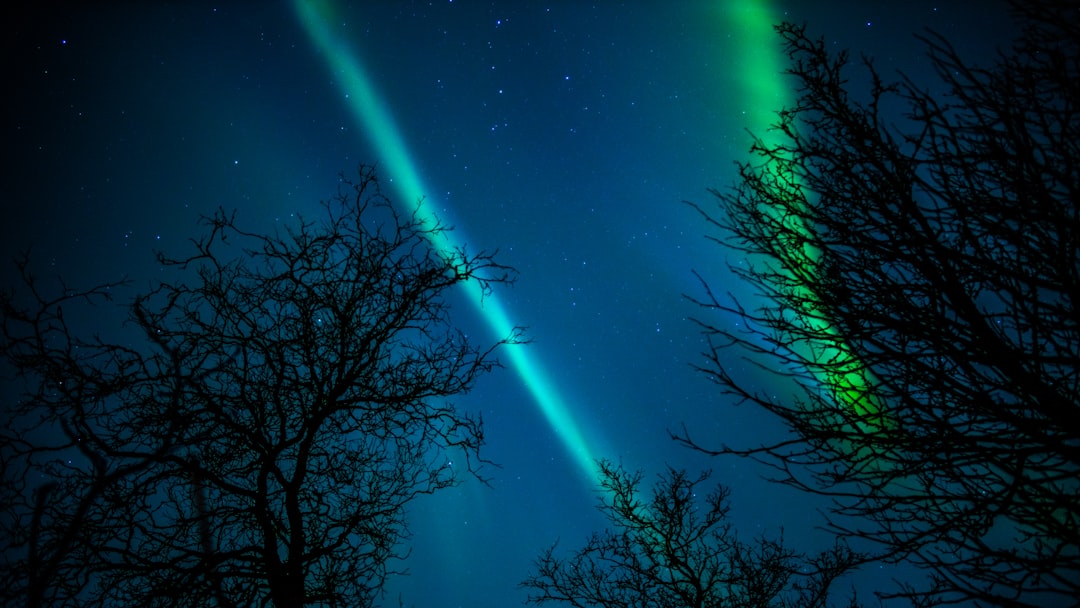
column 761, row 65
column 371, row 113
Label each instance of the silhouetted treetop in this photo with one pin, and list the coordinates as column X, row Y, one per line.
column 928, row 262
column 289, row 396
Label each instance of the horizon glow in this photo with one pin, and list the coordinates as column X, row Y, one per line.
column 370, row 112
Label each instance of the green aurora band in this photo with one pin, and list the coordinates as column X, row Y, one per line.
column 759, row 77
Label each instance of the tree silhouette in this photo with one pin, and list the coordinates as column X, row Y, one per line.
column 676, row 549
column 258, row 441
column 922, row 273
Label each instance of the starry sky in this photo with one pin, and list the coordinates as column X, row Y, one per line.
column 566, row 135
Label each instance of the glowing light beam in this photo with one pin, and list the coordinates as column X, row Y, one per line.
column 370, row 111
column 760, row 80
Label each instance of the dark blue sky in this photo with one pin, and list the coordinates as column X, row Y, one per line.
column 564, row 134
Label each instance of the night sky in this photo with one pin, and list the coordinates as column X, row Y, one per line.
column 563, row 134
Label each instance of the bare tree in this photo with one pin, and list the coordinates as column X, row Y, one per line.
column 284, row 398
column 922, row 275
column 676, row 549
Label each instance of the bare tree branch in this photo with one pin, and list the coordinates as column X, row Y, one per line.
column 289, row 397
column 940, row 252
column 675, row 548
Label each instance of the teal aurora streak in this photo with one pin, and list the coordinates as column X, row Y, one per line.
column 370, row 111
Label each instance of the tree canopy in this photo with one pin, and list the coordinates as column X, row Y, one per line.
column 675, row 548
column 926, row 261
column 284, row 398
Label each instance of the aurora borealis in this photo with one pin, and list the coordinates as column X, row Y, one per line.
column 763, row 94
column 563, row 135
